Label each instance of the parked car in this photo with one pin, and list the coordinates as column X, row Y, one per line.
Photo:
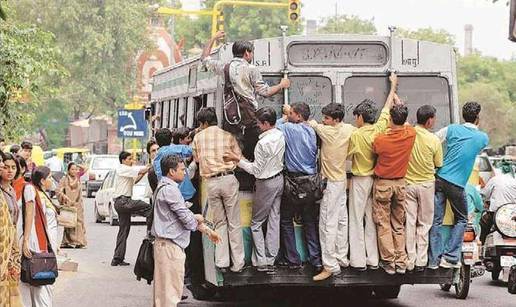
column 104, row 203
column 98, row 167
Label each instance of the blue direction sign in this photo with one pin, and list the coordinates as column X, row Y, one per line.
column 132, row 124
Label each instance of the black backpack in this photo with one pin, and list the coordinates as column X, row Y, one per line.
column 144, row 266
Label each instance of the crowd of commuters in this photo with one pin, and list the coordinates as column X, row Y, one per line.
column 29, row 221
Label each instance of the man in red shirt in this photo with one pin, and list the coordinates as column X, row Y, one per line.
column 393, row 149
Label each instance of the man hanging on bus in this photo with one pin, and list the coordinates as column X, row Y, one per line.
column 246, row 82
column 333, row 213
column 362, row 231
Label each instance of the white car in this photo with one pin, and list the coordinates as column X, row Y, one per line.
column 98, row 167
column 104, row 203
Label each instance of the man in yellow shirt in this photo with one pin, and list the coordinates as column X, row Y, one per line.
column 333, row 214
column 427, row 155
column 363, row 244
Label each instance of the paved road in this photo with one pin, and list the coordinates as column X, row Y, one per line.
column 97, row 284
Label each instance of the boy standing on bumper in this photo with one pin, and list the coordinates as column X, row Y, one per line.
column 172, row 225
column 389, row 193
column 333, row 214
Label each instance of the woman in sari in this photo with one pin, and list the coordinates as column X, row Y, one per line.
column 69, row 194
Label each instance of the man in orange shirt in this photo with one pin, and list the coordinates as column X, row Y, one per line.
column 393, row 149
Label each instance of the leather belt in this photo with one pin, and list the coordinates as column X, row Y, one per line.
column 274, row 176
column 223, row 174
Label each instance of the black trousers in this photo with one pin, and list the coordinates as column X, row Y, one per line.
column 125, row 207
column 486, row 223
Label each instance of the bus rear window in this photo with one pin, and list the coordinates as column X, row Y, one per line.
column 415, row 91
column 316, row 91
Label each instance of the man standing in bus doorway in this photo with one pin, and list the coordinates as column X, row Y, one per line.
column 247, row 82
column 463, row 143
column 427, row 155
column 209, row 146
column 333, row 214
column 301, row 164
column 267, row 169
column 363, row 244
column 393, row 149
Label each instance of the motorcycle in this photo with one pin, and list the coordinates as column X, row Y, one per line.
column 470, row 265
column 499, row 250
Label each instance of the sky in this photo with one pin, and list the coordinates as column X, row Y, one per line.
column 490, row 21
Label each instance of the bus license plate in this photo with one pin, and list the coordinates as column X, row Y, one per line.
column 507, row 261
column 468, row 247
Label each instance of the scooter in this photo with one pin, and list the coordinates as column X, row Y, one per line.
column 499, row 250
column 471, row 265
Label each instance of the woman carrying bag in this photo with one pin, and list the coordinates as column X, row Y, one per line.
column 69, row 195
column 39, row 236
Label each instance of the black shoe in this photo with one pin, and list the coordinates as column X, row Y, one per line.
column 119, row 263
column 359, row 269
column 184, row 297
column 282, row 264
column 223, row 270
column 295, row 266
column 419, row 268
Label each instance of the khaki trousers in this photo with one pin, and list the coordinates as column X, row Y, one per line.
column 420, row 214
column 333, row 227
column 224, row 204
column 363, row 244
column 169, row 272
column 389, row 216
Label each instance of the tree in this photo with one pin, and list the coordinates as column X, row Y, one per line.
column 239, row 23
column 347, row 24
column 440, row 36
column 28, row 59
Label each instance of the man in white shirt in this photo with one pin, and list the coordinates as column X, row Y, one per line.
column 499, row 190
column 54, row 164
column 267, row 169
column 126, row 177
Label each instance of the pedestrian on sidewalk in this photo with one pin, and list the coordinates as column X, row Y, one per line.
column 173, row 223
column 126, row 177
column 9, row 249
column 209, row 146
column 267, row 168
column 69, row 193
column 40, row 216
column 393, row 149
column 363, row 246
column 427, row 155
column 333, row 216
column 463, row 143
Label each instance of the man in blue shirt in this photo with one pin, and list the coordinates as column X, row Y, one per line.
column 463, row 144
column 164, row 139
column 301, row 164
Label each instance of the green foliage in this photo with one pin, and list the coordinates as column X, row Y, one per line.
column 347, row 24
column 28, row 59
column 240, row 23
column 440, row 36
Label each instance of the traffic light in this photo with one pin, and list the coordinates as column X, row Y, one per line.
column 512, row 21
column 294, row 10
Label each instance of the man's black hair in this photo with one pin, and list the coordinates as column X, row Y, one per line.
column 424, row 113
column 240, row 47
column 266, row 114
column 123, row 155
column 399, row 114
column 180, row 134
column 14, row 149
column 368, row 109
column 150, row 143
column 163, row 137
column 470, row 111
column 207, row 115
column 334, row 110
column 26, row 145
column 302, row 109
column 170, row 162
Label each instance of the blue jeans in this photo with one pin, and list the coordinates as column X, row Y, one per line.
column 449, row 250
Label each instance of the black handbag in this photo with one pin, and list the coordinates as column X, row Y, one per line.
column 144, row 266
column 308, row 188
column 41, row 269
